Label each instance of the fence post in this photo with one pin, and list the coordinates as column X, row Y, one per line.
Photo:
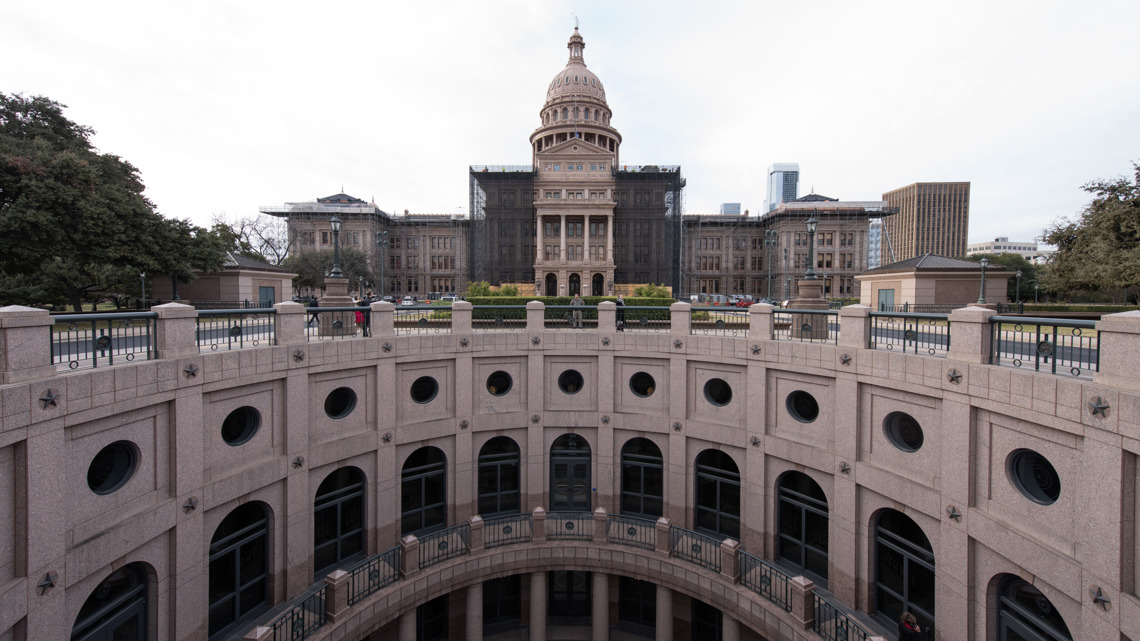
column 461, row 317
column 607, row 317
column 538, row 535
column 175, row 330
column 1119, row 349
column 600, row 525
column 475, row 528
column 290, row 323
column 663, row 543
column 383, row 319
column 25, row 344
column 259, row 633
column 730, row 560
column 535, row 317
column 802, row 601
column 760, row 321
column 409, row 556
column 971, row 335
column 336, row 594
column 855, row 326
column 680, row 318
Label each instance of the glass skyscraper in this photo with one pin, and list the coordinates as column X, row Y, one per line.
column 783, row 184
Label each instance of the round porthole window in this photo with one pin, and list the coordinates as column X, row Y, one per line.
column 570, row 381
column 1034, row 476
column 802, row 406
column 499, row 383
column 424, row 389
column 112, row 467
column 642, row 384
column 718, row 391
column 903, row 431
column 240, row 425
column 340, row 402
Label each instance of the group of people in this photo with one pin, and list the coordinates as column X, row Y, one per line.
column 364, row 321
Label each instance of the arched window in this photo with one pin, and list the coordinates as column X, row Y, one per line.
column 718, row 495
column 596, row 115
column 423, row 492
column 431, row 620
column 116, row 608
column 801, row 541
column 904, row 570
column 587, row 113
column 499, row 477
column 642, row 479
column 707, row 622
column 576, row 113
column 338, row 519
column 239, row 567
column 502, row 604
column 565, row 113
column 637, row 607
column 570, row 474
column 1025, row 613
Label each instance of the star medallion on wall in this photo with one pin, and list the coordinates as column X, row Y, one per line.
column 50, row 398
column 954, row 376
column 845, row 359
column 1098, row 407
column 190, row 370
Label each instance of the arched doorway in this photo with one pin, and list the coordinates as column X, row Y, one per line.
column 718, row 495
column 338, row 519
column 423, row 492
column 575, row 284
column 642, row 479
column 239, row 567
column 801, row 534
column 1025, row 613
column 498, row 483
column 570, row 474
column 551, row 285
column 904, row 570
column 598, row 285
column 116, row 608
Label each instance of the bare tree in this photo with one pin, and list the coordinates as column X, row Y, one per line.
column 261, row 237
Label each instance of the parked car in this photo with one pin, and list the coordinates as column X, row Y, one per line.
column 744, row 302
column 388, row 298
column 408, row 301
column 451, row 298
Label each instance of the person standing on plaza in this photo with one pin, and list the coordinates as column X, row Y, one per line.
column 620, row 313
column 577, row 302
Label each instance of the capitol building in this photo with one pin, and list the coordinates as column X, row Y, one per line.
column 493, row 474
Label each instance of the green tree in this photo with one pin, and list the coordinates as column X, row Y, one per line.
column 652, row 291
column 1099, row 249
column 1014, row 263
column 311, row 267
column 70, row 217
column 478, row 288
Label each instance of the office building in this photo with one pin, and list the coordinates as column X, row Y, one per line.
column 783, row 184
column 932, row 218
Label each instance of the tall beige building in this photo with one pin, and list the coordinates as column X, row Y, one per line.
column 932, row 218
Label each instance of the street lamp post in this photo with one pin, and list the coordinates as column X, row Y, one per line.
column 382, row 243
column 1035, row 290
column 770, row 241
column 142, row 298
column 811, row 226
column 360, row 286
column 982, row 293
column 1017, row 294
column 334, row 222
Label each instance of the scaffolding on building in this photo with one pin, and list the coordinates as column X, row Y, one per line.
column 486, row 182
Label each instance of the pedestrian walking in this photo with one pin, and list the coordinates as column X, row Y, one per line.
column 620, row 313
column 577, row 302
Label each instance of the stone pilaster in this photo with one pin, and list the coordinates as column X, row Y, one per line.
column 175, row 330
column 760, row 322
column 855, row 326
column 680, row 319
column 971, row 333
column 25, row 344
column 290, row 322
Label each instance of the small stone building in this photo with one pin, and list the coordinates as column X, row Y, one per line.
column 241, row 279
column 930, row 281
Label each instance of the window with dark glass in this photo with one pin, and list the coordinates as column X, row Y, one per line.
column 431, row 620
column 423, row 492
column 718, row 495
column 1025, row 613
column 499, row 477
column 502, row 604
column 116, row 609
column 802, row 530
column 568, row 597
column 239, row 568
column 637, row 607
column 338, row 519
column 904, row 570
column 707, row 622
column 642, row 479
column 570, row 474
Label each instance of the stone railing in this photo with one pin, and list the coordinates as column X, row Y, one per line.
column 700, row 557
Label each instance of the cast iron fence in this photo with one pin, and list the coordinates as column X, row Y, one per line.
column 301, row 620
column 507, row 530
column 631, row 531
column 1046, row 344
column 498, row 318
column 92, row 340
column 695, row 547
column 443, row 545
column 332, row 323
column 719, row 321
column 765, row 579
column 926, row 333
column 373, row 574
column 569, row 526
column 806, row 325
column 235, row 328
column 833, row 624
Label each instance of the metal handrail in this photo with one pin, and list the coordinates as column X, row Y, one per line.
column 302, row 620
column 1046, row 346
column 373, row 574
column 833, row 624
column 766, row 579
column 78, row 343
column 445, row 544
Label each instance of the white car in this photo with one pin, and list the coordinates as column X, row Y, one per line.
column 408, row 301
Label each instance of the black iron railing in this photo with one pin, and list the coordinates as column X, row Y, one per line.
column 498, row 318
column 571, row 317
column 443, row 545
column 695, row 547
column 375, row 573
column 1046, row 344
column 95, row 340
column 507, row 530
column 833, row 624
column 806, row 325
column 301, row 620
column 631, row 531
column 235, row 328
column 719, row 321
column 765, row 579
column 422, row 319
column 333, row 323
column 569, row 526
column 646, row 319
column 916, row 333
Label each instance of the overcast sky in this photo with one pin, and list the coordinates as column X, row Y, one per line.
column 225, row 107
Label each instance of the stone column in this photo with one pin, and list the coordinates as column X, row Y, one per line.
column 407, row 631
column 586, row 237
column 461, row 317
column 760, row 321
column 290, row 323
column 855, row 326
column 383, row 319
column 336, row 595
column 562, row 239
column 802, row 601
column 541, row 243
column 25, row 344
column 664, row 613
column 537, row 606
column 680, row 319
column 475, row 612
column 607, row 316
column 175, row 334
column 1119, row 342
column 729, row 628
column 600, row 609
column 536, row 317
column 971, row 334
column 610, row 238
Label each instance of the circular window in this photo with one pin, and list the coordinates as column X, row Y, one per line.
column 718, row 391
column 903, row 431
column 642, row 384
column 340, row 402
column 240, row 425
column 570, row 381
column 424, row 389
column 112, row 467
column 1034, row 476
column 802, row 406
column 499, row 383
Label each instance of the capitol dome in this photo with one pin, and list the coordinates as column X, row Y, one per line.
column 575, row 81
